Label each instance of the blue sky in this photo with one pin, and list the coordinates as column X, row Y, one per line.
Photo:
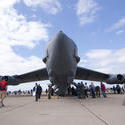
column 92, row 35
column 96, row 26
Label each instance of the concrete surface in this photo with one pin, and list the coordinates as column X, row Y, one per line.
column 63, row 111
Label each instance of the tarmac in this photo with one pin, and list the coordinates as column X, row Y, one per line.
column 63, row 111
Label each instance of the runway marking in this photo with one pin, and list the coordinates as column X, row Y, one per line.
column 44, row 114
column 90, row 111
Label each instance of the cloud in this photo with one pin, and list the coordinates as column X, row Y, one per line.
column 15, row 30
column 105, row 60
column 100, row 53
column 86, row 11
column 49, row 6
column 119, row 24
column 120, row 32
column 4, row 4
column 118, row 27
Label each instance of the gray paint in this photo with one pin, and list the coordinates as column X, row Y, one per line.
column 61, row 61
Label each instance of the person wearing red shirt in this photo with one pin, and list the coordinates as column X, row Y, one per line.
column 103, row 89
column 3, row 89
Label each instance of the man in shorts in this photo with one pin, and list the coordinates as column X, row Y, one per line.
column 3, row 89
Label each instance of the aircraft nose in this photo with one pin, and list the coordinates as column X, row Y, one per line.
column 60, row 36
column 60, row 41
column 60, row 32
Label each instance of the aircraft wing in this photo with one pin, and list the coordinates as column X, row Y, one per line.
column 87, row 74
column 36, row 75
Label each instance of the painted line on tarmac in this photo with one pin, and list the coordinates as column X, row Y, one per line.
column 91, row 112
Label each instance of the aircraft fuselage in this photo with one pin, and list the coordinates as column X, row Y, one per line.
column 61, row 60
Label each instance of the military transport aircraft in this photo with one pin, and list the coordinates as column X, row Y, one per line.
column 61, row 61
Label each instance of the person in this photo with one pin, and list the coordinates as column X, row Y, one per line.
column 39, row 89
column 79, row 90
column 86, row 90
column 3, row 89
column 73, row 91
column 49, row 91
column 69, row 90
column 103, row 89
column 52, row 92
column 118, row 88
column 97, row 90
column 35, row 89
column 92, row 90
column 46, row 91
column 123, row 88
column 82, row 90
column 31, row 92
column 114, row 89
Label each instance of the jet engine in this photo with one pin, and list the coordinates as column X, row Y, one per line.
column 116, row 79
column 10, row 79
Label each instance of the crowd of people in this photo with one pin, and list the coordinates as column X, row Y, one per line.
column 81, row 90
column 118, row 90
column 20, row 93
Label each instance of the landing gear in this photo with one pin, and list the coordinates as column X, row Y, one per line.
column 61, row 92
column 49, row 91
column 49, row 95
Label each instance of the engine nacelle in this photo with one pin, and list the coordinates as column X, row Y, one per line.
column 124, row 78
column 116, row 79
column 10, row 79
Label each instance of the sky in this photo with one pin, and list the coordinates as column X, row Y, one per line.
column 96, row 26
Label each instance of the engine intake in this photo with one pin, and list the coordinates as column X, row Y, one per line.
column 10, row 79
column 115, row 79
column 120, row 77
